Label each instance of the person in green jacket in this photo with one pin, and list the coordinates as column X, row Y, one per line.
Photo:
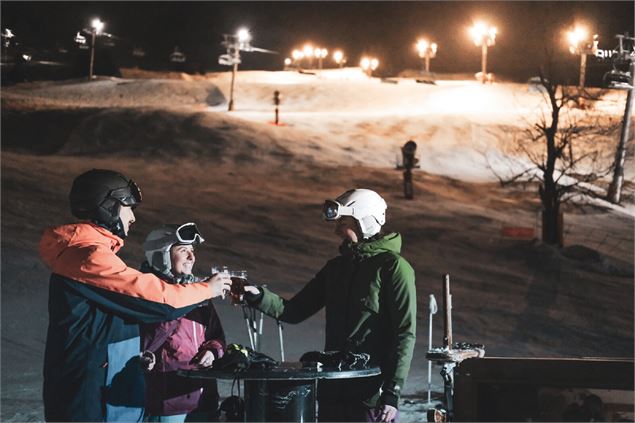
column 370, row 299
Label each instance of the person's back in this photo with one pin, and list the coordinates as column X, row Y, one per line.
column 91, row 363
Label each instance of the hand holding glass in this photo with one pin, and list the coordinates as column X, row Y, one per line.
column 220, row 281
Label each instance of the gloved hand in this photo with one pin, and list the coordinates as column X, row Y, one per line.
column 148, row 360
column 204, row 359
column 253, row 294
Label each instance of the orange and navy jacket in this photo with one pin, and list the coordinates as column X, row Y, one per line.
column 96, row 303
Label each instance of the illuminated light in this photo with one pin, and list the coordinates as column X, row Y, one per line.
column 287, row 61
column 97, row 25
column 433, row 47
column 338, row 56
column 422, row 46
column 374, row 63
column 481, row 34
column 243, row 35
column 297, row 55
column 576, row 38
column 321, row 53
column 365, row 63
column 308, row 50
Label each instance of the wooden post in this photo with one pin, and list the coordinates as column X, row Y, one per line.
column 447, row 312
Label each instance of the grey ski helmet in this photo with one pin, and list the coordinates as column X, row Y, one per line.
column 98, row 195
column 366, row 206
column 159, row 241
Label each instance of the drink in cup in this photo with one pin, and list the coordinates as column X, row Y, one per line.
column 239, row 280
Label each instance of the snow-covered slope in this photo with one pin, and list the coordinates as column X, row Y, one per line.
column 255, row 190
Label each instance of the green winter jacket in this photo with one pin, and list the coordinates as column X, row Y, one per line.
column 370, row 299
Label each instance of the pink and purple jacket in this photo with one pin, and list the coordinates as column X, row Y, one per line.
column 174, row 344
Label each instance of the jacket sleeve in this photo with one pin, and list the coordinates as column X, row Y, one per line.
column 303, row 305
column 96, row 266
column 402, row 309
column 214, row 333
column 153, row 336
column 132, row 308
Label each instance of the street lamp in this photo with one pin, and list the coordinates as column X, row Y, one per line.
column 369, row 64
column 578, row 44
column 338, row 57
column 320, row 54
column 484, row 36
column 243, row 36
column 308, row 52
column 241, row 42
column 234, row 44
column 96, row 28
column 426, row 51
column 297, row 57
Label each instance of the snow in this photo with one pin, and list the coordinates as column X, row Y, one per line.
column 255, row 190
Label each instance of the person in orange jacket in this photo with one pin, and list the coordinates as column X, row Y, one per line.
column 96, row 303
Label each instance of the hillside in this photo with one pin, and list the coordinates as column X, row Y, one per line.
column 256, row 189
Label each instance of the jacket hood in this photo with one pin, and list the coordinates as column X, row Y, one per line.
column 371, row 247
column 57, row 239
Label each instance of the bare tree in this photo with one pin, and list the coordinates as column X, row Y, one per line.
column 563, row 153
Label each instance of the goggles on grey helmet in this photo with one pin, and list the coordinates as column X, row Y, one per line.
column 188, row 233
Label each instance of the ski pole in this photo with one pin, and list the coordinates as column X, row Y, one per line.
column 260, row 330
column 251, row 339
column 281, row 340
column 432, row 305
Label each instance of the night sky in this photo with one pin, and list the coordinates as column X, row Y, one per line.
column 387, row 30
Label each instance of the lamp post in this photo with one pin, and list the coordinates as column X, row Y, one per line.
column 96, row 27
column 623, row 55
column 578, row 45
column 320, row 54
column 369, row 64
column 483, row 36
column 242, row 39
column 338, row 58
column 426, row 51
column 309, row 53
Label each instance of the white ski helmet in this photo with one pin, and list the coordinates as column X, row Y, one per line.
column 364, row 205
column 159, row 241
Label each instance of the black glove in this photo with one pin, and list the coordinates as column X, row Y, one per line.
column 253, row 299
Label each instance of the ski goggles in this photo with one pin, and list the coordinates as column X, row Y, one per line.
column 188, row 233
column 332, row 210
column 130, row 195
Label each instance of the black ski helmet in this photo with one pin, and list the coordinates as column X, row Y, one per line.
column 98, row 194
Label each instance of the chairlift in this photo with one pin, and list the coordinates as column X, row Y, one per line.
column 79, row 38
column 624, row 54
column 108, row 40
column 138, row 52
column 618, row 79
column 177, row 56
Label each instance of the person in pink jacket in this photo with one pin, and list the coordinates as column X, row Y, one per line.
column 196, row 339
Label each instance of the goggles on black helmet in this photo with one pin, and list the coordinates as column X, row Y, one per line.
column 130, row 195
column 188, row 233
column 332, row 210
